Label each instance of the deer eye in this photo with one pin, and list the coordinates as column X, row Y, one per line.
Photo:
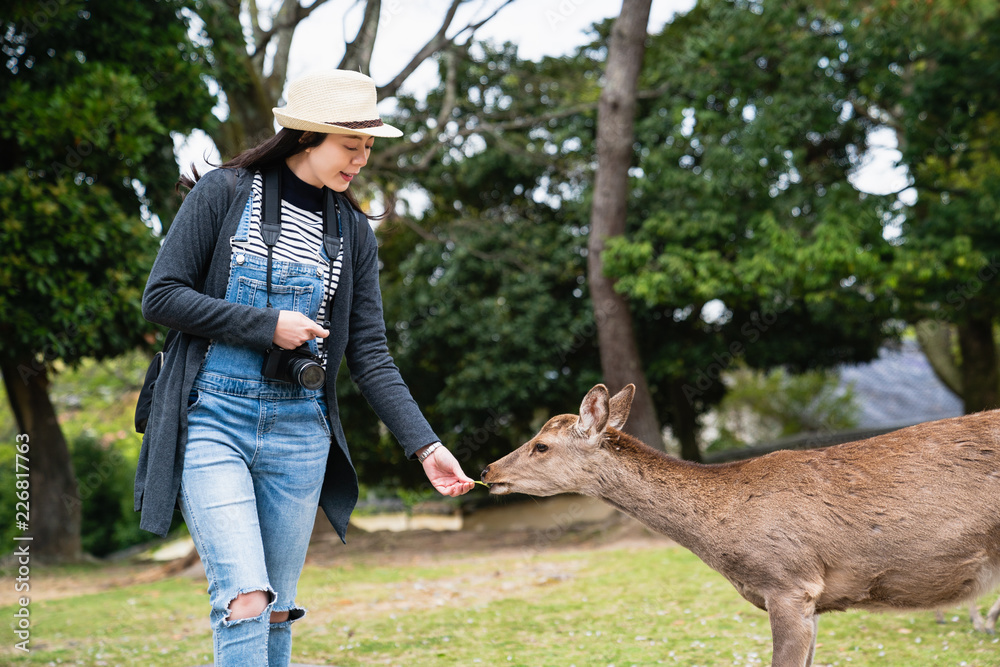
column 541, row 447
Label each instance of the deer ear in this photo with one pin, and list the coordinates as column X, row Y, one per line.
column 620, row 405
column 594, row 411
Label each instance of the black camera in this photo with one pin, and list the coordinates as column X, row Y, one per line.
column 299, row 366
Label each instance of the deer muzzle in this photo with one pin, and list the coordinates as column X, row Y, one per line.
column 496, row 487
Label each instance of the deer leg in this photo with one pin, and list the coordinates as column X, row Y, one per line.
column 812, row 647
column 793, row 632
column 978, row 624
column 991, row 617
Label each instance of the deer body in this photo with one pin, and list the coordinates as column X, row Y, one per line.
column 907, row 520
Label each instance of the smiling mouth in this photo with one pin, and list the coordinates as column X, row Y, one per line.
column 346, row 176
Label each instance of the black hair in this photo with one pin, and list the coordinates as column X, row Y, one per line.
column 273, row 151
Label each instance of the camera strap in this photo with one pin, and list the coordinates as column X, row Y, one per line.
column 270, row 229
column 331, row 244
column 270, row 219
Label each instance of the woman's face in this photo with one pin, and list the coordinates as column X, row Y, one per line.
column 334, row 162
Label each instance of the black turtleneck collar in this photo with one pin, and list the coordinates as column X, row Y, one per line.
column 299, row 193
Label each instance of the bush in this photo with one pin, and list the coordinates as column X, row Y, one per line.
column 104, row 477
column 104, row 491
column 95, row 402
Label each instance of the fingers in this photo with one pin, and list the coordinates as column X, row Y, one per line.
column 317, row 330
column 457, row 490
column 445, row 473
column 453, row 488
column 294, row 329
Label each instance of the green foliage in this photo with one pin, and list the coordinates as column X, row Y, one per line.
column 87, row 158
column 518, row 128
column 78, row 99
column 747, row 240
column 485, row 298
column 941, row 88
column 58, row 241
column 95, row 401
column 763, row 406
column 105, row 476
column 491, row 327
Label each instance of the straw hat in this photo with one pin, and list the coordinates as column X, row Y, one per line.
column 334, row 102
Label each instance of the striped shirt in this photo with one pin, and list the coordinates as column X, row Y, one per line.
column 301, row 239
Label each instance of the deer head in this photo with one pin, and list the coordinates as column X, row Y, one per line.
column 565, row 454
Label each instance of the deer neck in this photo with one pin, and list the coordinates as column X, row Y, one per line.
column 676, row 498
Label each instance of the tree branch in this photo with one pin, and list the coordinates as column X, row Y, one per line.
column 285, row 23
column 301, row 13
column 358, row 54
column 473, row 27
column 439, row 41
column 486, row 257
column 434, row 141
column 257, row 33
column 435, row 44
column 447, row 105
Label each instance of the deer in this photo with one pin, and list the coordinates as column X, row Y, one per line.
column 980, row 623
column 989, row 623
column 905, row 520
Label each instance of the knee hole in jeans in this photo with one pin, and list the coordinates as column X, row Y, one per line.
column 249, row 605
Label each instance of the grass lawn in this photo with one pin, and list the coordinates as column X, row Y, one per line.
column 619, row 605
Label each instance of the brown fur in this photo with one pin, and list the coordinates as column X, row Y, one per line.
column 906, row 520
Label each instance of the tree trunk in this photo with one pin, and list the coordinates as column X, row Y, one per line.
column 620, row 360
column 250, row 119
column 250, row 94
column 980, row 374
column 936, row 339
column 685, row 424
column 54, row 510
column 358, row 54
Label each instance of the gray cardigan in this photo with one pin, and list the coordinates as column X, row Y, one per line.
column 186, row 291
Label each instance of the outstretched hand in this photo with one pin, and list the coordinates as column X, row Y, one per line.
column 445, row 473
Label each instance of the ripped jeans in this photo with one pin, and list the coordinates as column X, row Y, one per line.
column 253, row 469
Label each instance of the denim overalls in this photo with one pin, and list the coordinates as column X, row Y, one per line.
column 253, row 467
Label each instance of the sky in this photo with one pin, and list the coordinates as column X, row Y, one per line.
column 538, row 27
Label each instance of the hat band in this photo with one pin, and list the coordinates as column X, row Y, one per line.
column 358, row 124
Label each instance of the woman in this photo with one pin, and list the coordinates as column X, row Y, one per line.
column 242, row 445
